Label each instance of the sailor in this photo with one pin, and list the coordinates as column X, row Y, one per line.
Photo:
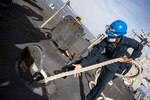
column 115, row 45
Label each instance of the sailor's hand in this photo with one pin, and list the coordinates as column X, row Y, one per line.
column 125, row 59
column 77, row 66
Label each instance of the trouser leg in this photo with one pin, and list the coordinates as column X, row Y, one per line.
column 105, row 76
column 65, row 69
column 70, row 67
column 123, row 69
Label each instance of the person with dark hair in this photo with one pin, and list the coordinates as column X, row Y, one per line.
column 5, row 3
column 1, row 13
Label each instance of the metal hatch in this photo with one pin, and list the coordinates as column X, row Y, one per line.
column 66, row 32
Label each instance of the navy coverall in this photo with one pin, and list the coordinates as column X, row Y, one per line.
column 105, row 51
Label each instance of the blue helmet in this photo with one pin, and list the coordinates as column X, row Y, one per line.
column 117, row 28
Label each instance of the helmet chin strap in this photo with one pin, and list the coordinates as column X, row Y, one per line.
column 111, row 39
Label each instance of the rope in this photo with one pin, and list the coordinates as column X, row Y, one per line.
column 137, row 65
column 51, row 78
column 103, row 97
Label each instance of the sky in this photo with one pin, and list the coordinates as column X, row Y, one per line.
column 96, row 14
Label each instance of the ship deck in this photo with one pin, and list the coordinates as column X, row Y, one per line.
column 19, row 27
